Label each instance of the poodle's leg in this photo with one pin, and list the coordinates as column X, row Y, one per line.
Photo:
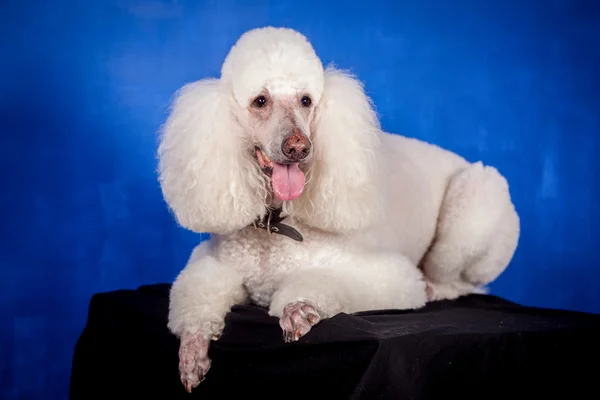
column 200, row 297
column 477, row 234
column 355, row 282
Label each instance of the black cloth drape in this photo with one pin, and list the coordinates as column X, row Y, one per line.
column 476, row 347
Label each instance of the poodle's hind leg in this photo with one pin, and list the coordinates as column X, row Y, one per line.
column 477, row 234
column 355, row 282
column 200, row 297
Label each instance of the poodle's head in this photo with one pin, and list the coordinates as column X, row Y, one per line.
column 275, row 129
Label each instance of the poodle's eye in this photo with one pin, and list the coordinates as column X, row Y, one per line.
column 260, row 102
column 306, row 101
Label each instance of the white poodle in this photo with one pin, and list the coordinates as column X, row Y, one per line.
column 313, row 210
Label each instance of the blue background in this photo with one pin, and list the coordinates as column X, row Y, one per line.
column 84, row 87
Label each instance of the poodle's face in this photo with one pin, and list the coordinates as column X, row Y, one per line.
column 277, row 81
column 233, row 146
column 279, row 125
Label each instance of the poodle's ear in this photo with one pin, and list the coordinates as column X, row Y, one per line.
column 342, row 186
column 206, row 172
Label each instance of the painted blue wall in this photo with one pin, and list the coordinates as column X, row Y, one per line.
column 84, row 87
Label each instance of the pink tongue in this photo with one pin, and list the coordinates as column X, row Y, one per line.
column 287, row 181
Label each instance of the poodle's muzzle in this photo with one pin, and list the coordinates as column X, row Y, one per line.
column 287, row 179
column 295, row 148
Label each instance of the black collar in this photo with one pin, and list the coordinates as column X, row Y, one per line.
column 272, row 223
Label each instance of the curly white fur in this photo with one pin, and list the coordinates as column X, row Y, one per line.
column 344, row 177
column 201, row 142
column 388, row 221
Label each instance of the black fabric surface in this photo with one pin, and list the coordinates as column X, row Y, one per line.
column 477, row 347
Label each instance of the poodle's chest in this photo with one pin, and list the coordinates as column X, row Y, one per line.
column 265, row 258
column 254, row 251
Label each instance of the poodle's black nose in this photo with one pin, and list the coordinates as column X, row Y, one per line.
column 296, row 147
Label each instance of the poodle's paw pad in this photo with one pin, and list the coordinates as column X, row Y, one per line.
column 193, row 360
column 297, row 319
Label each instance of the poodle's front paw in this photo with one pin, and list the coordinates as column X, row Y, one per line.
column 297, row 319
column 193, row 360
